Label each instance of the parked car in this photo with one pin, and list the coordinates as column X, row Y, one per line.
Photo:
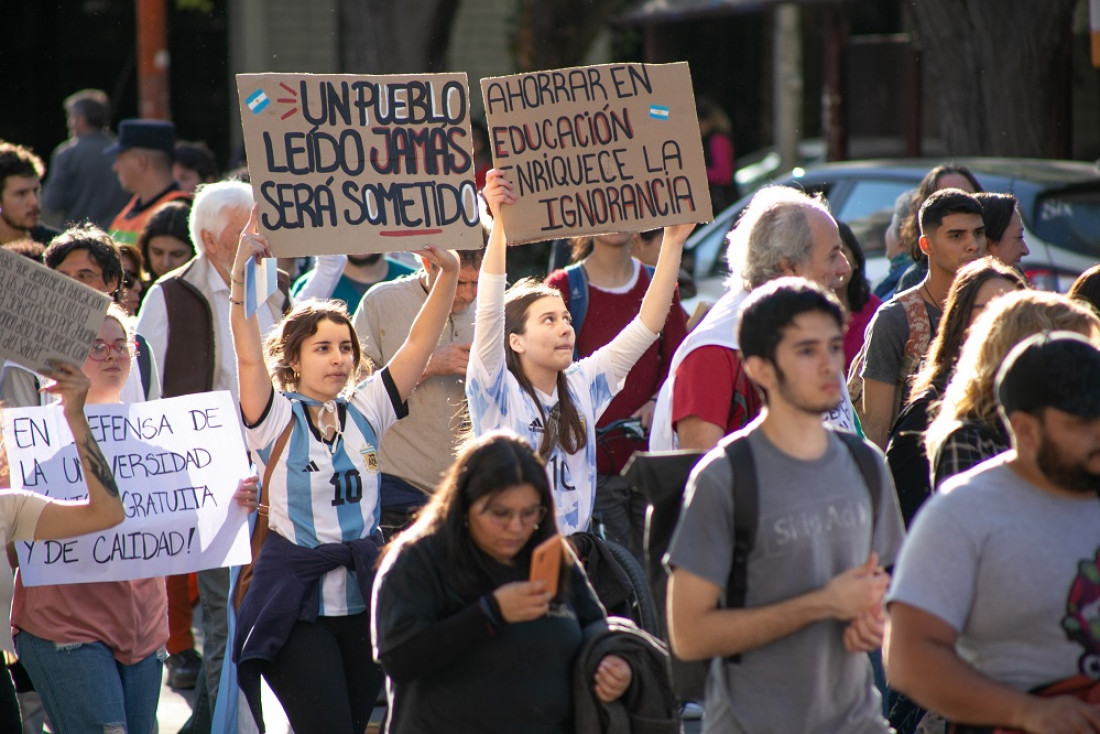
column 1059, row 203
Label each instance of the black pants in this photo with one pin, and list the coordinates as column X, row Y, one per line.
column 324, row 675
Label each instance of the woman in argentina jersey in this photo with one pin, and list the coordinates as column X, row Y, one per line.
column 303, row 623
column 522, row 375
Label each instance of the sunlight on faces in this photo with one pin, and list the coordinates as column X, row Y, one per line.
column 325, row 362
column 82, row 267
column 809, row 361
column 547, row 341
column 109, row 375
column 827, row 265
column 466, row 289
column 988, row 291
column 959, row 239
column 166, row 253
column 501, row 524
column 20, row 201
column 222, row 249
column 1012, row 247
column 131, row 297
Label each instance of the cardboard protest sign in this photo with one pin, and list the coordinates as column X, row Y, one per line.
column 177, row 463
column 45, row 315
column 597, row 149
column 360, row 164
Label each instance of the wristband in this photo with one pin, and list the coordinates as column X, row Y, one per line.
column 234, row 281
column 235, row 303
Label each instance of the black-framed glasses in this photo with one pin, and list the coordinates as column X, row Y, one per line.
column 129, row 278
column 100, row 351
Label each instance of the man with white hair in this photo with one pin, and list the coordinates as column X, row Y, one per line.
column 707, row 394
column 185, row 320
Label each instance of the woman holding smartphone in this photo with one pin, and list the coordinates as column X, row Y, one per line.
column 454, row 614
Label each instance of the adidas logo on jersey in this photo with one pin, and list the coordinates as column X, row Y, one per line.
column 312, row 466
column 536, row 426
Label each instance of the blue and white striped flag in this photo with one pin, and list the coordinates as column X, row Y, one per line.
column 257, row 101
column 260, row 281
column 658, row 112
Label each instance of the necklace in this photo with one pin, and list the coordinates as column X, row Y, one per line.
column 928, row 293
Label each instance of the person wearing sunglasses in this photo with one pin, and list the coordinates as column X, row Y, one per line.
column 131, row 287
column 453, row 613
column 88, row 255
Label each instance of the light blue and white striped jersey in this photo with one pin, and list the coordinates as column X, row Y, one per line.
column 496, row 399
column 327, row 492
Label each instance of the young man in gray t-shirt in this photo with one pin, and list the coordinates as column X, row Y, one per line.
column 815, row 578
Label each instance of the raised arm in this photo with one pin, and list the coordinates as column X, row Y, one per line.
column 658, row 297
column 409, row 361
column 497, row 192
column 103, row 508
column 252, row 376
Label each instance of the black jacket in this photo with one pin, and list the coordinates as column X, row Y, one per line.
column 648, row 706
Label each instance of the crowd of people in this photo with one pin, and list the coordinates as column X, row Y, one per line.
column 894, row 519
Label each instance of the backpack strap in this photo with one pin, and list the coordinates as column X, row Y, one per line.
column 745, row 512
column 145, row 362
column 578, row 298
column 746, row 508
column 869, row 466
column 261, row 529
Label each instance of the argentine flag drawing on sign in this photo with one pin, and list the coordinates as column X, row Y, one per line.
column 658, row 112
column 257, row 101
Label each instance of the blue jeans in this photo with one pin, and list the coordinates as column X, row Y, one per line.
column 84, row 689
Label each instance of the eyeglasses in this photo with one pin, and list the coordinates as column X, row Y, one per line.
column 101, row 351
column 129, row 278
column 502, row 516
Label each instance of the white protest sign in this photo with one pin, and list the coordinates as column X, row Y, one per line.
column 177, row 463
column 45, row 315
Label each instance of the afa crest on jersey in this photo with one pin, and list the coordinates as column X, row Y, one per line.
column 370, row 458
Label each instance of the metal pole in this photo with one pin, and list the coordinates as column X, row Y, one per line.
column 152, row 44
column 788, row 83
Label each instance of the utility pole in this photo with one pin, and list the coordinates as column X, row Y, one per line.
column 152, row 66
column 788, row 83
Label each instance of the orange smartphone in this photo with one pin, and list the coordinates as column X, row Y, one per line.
column 546, row 563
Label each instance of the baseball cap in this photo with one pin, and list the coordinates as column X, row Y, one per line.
column 152, row 134
column 1058, row 369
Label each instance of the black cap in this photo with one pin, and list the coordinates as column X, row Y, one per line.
column 1059, row 369
column 152, row 134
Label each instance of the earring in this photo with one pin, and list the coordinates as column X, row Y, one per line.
column 297, row 375
column 536, row 526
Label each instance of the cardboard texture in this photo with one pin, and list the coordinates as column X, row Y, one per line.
column 353, row 164
column 597, row 149
column 45, row 315
column 176, row 462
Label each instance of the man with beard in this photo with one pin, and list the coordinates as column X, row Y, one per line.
column 347, row 277
column 996, row 594
column 21, row 195
column 790, row 653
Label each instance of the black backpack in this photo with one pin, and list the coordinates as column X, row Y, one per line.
column 661, row 477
